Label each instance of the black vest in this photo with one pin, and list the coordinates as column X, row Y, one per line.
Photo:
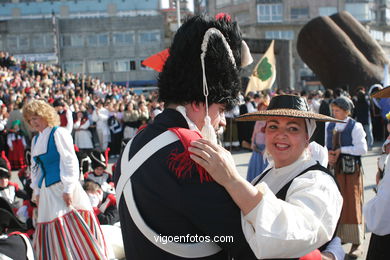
column 283, row 192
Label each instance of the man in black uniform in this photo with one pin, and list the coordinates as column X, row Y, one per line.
column 171, row 208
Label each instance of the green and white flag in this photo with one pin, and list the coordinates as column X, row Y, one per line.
column 264, row 73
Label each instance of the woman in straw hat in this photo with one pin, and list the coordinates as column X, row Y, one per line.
column 66, row 225
column 377, row 210
column 293, row 207
column 346, row 142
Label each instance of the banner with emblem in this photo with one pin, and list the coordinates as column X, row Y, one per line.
column 264, row 73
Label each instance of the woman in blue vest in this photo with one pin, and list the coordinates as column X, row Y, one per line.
column 346, row 143
column 66, row 227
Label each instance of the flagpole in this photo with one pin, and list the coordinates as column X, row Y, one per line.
column 178, row 13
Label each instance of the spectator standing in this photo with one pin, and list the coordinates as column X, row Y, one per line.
column 82, row 135
column 130, row 121
column 66, row 117
column 346, row 144
column 363, row 115
column 324, row 109
column 100, row 115
column 245, row 129
column 116, row 132
column 230, row 135
column 257, row 162
column 17, row 115
column 16, row 146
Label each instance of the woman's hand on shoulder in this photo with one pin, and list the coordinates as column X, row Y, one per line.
column 216, row 160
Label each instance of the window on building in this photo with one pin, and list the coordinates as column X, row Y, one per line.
column 299, row 13
column 327, row 10
column 98, row 40
column 123, row 38
column 20, row 42
column 92, row 40
column 98, row 66
column 361, row 11
column 132, row 65
column 37, row 41
column 77, row 40
column 221, row 3
column 240, row 1
column 1, row 45
column 242, row 17
column 387, row 37
column 387, row 14
column 73, row 66
column 361, row 1
column 66, row 41
column 124, row 65
column 103, row 39
column 12, row 42
column 377, row 35
column 71, row 40
column 149, row 36
column 268, row 13
column 49, row 40
column 42, row 40
column 279, row 35
column 23, row 42
column 143, row 67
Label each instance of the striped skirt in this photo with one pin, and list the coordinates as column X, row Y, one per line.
column 67, row 232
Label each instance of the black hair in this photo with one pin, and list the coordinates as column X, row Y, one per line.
column 58, row 102
column 180, row 82
column 328, row 93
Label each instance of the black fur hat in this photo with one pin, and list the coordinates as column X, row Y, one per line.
column 98, row 159
column 180, row 82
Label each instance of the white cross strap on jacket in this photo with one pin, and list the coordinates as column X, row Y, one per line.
column 188, row 250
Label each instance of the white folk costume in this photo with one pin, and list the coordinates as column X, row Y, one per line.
column 62, row 232
column 305, row 216
column 377, row 210
column 352, row 142
column 82, row 135
column 100, row 116
column 376, row 214
column 301, row 203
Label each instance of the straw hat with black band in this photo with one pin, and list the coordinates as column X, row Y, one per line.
column 286, row 106
column 382, row 93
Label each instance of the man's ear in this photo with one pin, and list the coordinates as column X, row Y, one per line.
column 196, row 106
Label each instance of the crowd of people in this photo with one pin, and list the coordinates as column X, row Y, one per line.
column 303, row 195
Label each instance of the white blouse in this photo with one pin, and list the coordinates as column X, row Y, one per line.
column 377, row 210
column 69, row 165
column 303, row 222
column 359, row 142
